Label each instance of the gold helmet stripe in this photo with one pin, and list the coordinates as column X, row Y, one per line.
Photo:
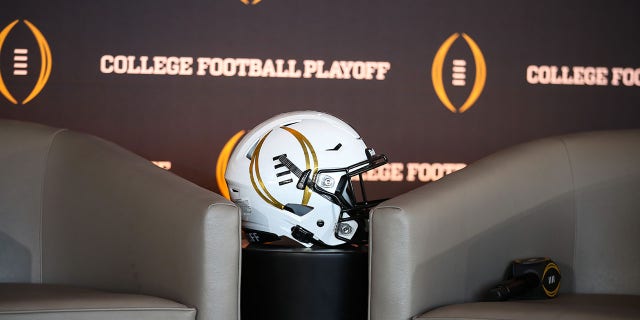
column 305, row 144
column 259, row 186
column 253, row 165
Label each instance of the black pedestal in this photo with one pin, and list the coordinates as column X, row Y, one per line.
column 304, row 283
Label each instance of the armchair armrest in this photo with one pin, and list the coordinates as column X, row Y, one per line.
column 112, row 220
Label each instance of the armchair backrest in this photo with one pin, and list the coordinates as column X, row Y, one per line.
column 78, row 210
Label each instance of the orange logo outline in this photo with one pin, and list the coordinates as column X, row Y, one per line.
column 253, row 2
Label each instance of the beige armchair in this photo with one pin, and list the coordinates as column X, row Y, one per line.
column 436, row 250
column 89, row 230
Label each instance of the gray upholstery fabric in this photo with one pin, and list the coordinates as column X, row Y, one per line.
column 575, row 199
column 80, row 211
column 23, row 154
column 37, row 301
column 606, row 171
column 569, row 306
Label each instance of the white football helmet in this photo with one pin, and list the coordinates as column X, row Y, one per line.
column 291, row 177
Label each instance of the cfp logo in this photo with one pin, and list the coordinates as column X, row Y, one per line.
column 21, row 63
column 551, row 280
column 311, row 161
column 252, row 2
column 458, row 73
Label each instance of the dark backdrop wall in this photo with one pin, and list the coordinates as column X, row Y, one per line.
column 433, row 84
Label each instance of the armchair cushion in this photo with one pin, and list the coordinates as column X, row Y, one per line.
column 566, row 306
column 53, row 302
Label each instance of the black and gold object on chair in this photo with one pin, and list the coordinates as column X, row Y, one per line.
column 532, row 278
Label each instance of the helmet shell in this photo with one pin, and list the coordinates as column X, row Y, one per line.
column 262, row 186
